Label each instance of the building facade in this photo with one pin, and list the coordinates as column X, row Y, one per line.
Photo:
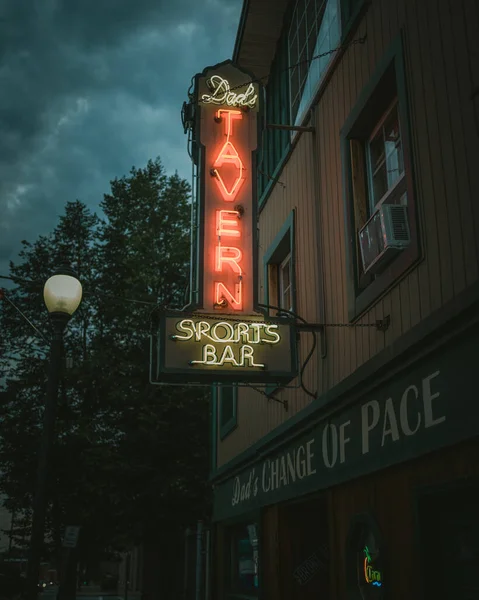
column 359, row 479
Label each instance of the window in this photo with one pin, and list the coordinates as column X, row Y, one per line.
column 385, row 157
column 364, row 560
column 275, row 143
column 285, row 290
column 243, row 564
column 314, row 30
column 378, row 172
column 279, row 269
column 228, row 400
column 449, row 528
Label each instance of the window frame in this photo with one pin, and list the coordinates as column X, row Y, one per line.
column 299, row 116
column 287, row 261
column 226, row 428
column 231, row 591
column 364, row 291
column 373, row 203
column 275, row 144
column 282, row 246
column 431, row 501
column 358, row 525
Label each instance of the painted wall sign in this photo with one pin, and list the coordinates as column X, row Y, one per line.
column 226, row 339
column 429, row 406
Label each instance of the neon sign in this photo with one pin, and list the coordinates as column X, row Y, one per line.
column 221, row 93
column 224, row 336
column 238, row 339
column 228, row 256
column 371, row 576
column 236, row 332
column 228, row 155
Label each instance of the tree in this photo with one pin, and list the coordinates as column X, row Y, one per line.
column 130, row 458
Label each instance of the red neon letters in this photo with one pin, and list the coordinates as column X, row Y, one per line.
column 229, row 155
column 228, row 258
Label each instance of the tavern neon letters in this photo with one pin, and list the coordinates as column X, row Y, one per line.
column 228, row 256
column 229, row 155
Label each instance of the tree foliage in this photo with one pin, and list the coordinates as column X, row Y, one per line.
column 130, row 458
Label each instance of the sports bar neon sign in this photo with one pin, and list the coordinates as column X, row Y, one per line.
column 233, row 342
column 222, row 336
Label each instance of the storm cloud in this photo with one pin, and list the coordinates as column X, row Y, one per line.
column 89, row 88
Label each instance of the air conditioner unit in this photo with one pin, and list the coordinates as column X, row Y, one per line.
column 384, row 235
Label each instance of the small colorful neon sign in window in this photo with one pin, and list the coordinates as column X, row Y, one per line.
column 372, row 576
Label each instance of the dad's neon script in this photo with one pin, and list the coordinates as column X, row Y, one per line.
column 227, row 343
column 221, row 94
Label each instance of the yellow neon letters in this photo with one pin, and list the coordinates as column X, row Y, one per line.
column 214, row 356
column 224, row 332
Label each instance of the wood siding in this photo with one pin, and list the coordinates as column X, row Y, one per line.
column 441, row 56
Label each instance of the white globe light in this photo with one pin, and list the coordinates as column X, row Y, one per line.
column 62, row 293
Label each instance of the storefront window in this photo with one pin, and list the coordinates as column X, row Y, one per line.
column 244, row 559
column 449, row 529
column 365, row 560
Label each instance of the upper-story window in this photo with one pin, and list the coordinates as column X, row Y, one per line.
column 314, row 30
column 385, row 156
column 380, row 217
column 285, row 290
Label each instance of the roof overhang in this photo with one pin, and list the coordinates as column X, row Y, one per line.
column 259, row 29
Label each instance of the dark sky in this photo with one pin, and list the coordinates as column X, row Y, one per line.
column 89, row 88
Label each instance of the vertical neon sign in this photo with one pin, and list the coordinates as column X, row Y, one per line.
column 228, row 136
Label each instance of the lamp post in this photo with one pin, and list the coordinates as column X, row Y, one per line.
column 62, row 294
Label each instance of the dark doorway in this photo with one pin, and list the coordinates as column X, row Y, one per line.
column 449, row 528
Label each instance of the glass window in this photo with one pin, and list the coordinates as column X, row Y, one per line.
column 244, row 559
column 285, row 289
column 365, row 561
column 385, row 156
column 449, row 528
column 314, row 31
column 369, row 567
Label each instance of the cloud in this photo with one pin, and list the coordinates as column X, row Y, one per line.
column 89, row 89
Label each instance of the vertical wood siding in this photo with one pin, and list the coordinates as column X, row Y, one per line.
column 441, row 56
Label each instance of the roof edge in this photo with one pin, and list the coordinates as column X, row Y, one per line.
column 239, row 35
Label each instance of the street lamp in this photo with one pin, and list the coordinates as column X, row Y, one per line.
column 62, row 294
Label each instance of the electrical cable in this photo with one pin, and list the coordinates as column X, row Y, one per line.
column 3, row 296
column 353, row 42
column 310, row 353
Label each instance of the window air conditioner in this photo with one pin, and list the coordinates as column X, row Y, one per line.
column 384, row 235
